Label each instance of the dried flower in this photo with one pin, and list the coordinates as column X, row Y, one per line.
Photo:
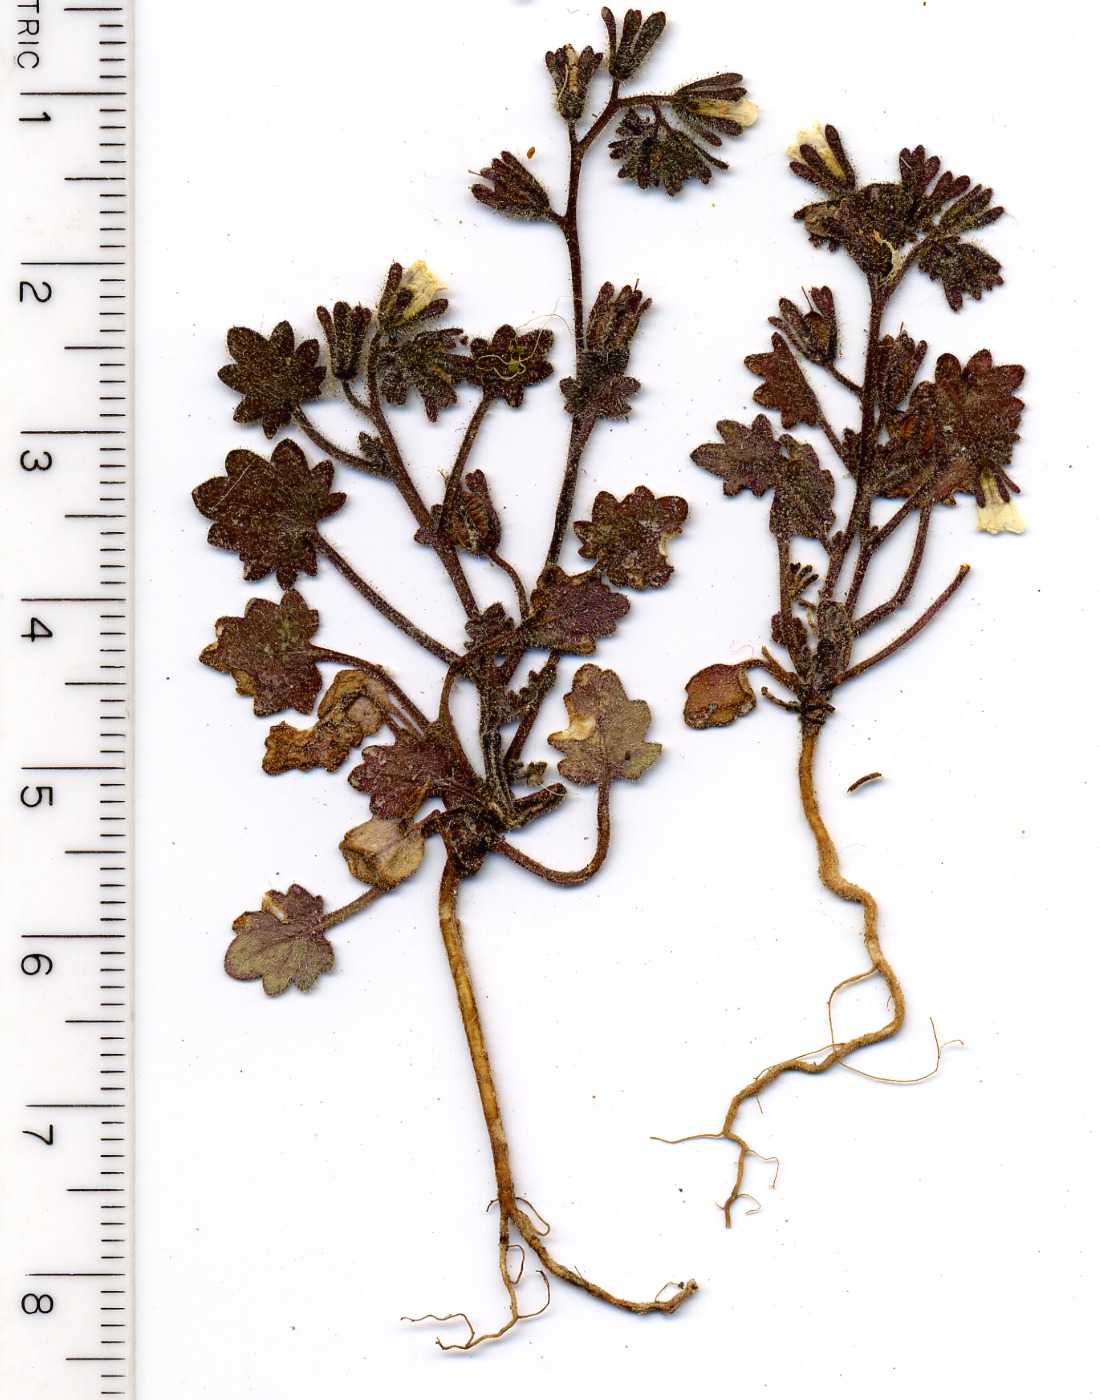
column 572, row 73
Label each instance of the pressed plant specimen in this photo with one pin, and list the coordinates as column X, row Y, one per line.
column 916, row 445
column 481, row 792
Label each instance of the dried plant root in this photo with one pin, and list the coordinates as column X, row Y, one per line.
column 836, row 1052
column 517, row 1216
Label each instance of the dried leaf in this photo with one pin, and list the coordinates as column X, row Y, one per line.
column 751, row 459
column 427, row 362
column 513, row 190
column 900, row 359
column 350, row 711
column 502, row 368
column 606, row 738
column 399, row 777
column 628, row 539
column 802, row 504
column 651, row 152
column 281, row 942
column 266, row 511
column 268, row 653
column 961, row 269
column 813, row 333
column 383, row 853
column 273, row 375
column 746, row 458
column 570, row 611
column 977, row 415
column 785, row 388
column 718, row 695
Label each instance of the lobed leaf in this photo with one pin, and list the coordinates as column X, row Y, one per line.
column 269, row 654
column 606, row 737
column 281, row 942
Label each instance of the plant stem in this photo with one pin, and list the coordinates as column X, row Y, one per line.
column 333, row 449
column 347, row 911
column 344, row 658
column 375, row 599
column 579, row 434
column 454, row 481
column 585, row 873
column 411, row 496
column 512, row 1214
column 910, row 632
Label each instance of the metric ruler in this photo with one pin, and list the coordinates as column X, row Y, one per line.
column 66, row 702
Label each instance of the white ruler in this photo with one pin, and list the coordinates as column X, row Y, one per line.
column 66, row 702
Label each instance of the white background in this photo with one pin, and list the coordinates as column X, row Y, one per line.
column 314, row 1167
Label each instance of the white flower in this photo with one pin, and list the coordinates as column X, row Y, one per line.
column 997, row 515
column 815, row 136
column 424, row 286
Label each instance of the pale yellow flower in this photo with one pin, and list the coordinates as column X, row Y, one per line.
column 743, row 112
column 996, row 515
column 815, row 136
column 424, row 285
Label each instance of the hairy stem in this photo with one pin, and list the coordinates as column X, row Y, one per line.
column 585, row 873
column 454, row 481
column 513, row 1216
column 375, row 599
column 410, row 495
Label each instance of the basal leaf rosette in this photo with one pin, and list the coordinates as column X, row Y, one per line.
column 282, row 942
column 606, row 738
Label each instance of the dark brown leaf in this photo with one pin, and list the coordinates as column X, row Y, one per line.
column 813, row 333
column 628, row 539
column 785, row 388
column 802, row 504
column 265, row 511
column 651, row 152
column 268, row 654
column 977, row 415
column 502, row 368
column 399, row 777
column 900, row 359
column 718, row 695
column 961, row 269
column 746, row 458
column 570, row 611
column 281, row 942
column 428, row 362
column 273, row 375
column 351, row 709
column 606, row 737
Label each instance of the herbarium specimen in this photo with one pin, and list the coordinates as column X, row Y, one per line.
column 917, row 445
column 273, row 511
